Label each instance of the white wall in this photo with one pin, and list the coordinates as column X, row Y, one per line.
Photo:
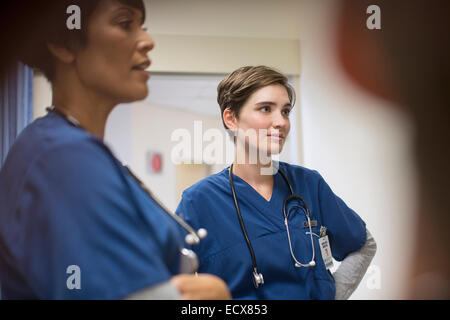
column 196, row 26
column 248, row 18
column 135, row 129
column 359, row 144
column 42, row 95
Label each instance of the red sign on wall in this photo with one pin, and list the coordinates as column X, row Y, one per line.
column 154, row 162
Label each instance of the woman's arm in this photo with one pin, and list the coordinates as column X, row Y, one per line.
column 201, row 287
column 162, row 291
column 352, row 269
column 188, row 287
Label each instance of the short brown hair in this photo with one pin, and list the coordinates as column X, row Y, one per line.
column 237, row 87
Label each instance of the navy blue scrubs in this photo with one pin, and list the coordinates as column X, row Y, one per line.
column 65, row 200
column 209, row 204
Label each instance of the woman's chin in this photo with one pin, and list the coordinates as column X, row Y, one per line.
column 135, row 95
column 142, row 95
column 274, row 149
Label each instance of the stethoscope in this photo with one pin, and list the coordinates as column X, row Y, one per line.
column 258, row 278
column 189, row 262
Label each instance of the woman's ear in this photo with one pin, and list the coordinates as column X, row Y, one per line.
column 62, row 54
column 229, row 119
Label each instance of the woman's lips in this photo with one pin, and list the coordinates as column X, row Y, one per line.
column 142, row 67
column 276, row 137
column 143, row 73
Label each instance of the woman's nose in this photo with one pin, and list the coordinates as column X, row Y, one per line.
column 279, row 120
column 146, row 44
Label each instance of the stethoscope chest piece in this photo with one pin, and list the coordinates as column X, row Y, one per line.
column 188, row 261
column 258, row 279
column 312, row 263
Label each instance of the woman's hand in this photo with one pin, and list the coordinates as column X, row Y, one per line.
column 201, row 287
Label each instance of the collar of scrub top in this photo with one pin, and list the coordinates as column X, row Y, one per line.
column 258, row 278
column 192, row 238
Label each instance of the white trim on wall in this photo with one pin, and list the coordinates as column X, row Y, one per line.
column 217, row 54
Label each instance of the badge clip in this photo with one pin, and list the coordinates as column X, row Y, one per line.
column 323, row 231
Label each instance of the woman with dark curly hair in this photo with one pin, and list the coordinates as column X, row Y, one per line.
column 74, row 223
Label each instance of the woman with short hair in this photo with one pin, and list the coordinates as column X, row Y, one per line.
column 274, row 228
column 75, row 223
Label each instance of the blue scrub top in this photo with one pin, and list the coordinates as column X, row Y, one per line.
column 66, row 200
column 209, row 204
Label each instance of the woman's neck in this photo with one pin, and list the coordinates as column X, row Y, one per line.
column 253, row 174
column 93, row 121
column 89, row 110
column 251, row 167
column 254, row 167
column 257, row 176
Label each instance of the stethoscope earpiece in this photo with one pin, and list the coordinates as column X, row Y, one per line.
column 195, row 237
column 202, row 233
column 190, row 239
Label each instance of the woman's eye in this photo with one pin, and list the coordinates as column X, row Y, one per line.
column 265, row 109
column 126, row 24
column 286, row 112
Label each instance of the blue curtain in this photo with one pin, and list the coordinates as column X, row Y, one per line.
column 16, row 105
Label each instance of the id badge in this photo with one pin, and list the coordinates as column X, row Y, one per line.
column 325, row 249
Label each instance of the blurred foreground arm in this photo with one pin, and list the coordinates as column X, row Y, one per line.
column 201, row 287
column 187, row 287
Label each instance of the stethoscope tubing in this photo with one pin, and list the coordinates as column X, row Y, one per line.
column 258, row 277
column 241, row 222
